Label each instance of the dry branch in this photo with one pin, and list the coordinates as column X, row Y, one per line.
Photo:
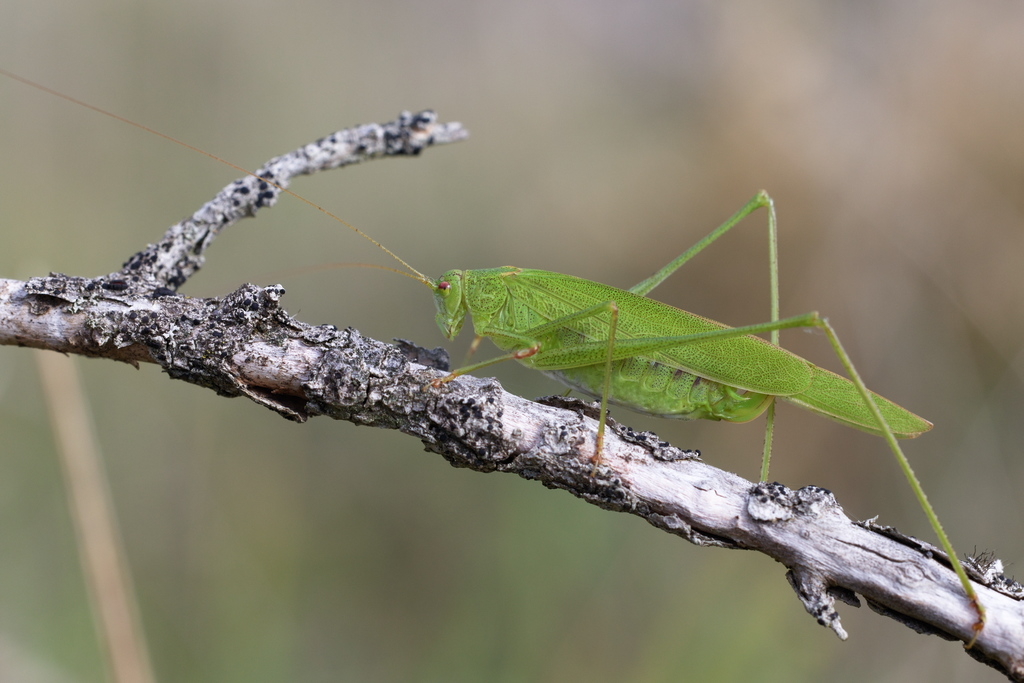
column 245, row 344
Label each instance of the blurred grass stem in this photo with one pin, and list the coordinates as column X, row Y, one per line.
column 99, row 548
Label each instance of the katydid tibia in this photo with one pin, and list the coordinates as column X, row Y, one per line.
column 624, row 348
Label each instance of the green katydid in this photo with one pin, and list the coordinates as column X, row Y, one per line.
column 664, row 361
column 624, row 348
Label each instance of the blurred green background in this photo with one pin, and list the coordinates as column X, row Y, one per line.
column 606, row 138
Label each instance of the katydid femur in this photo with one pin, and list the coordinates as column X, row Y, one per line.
column 624, row 348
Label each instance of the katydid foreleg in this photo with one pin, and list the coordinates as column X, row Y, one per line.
column 529, row 344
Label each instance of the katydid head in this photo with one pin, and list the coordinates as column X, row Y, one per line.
column 451, row 304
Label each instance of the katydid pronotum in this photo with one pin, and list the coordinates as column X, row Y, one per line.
column 624, row 348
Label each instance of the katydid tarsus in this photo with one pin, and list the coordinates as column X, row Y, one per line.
column 624, row 348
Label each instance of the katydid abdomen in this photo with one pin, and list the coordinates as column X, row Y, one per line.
column 655, row 388
column 733, row 378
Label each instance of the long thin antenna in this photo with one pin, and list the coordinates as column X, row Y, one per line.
column 32, row 84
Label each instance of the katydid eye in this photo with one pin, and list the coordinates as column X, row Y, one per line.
column 444, row 286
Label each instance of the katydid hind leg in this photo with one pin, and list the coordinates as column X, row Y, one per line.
column 773, row 287
column 813, row 320
column 761, row 199
column 911, row 477
column 585, row 353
